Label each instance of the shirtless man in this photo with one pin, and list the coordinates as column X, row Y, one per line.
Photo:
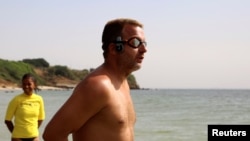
column 101, row 108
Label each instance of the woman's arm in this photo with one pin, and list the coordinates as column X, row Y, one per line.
column 39, row 123
column 9, row 125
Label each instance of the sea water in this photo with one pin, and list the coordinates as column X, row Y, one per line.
column 162, row 114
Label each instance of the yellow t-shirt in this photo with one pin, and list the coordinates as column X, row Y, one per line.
column 27, row 110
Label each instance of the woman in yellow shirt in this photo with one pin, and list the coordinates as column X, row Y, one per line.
column 28, row 110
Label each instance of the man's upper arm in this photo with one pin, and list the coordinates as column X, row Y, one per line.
column 85, row 102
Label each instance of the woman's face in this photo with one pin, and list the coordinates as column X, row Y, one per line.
column 28, row 86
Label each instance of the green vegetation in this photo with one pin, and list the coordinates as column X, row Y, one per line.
column 39, row 63
column 12, row 72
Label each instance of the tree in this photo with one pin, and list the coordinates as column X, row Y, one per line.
column 39, row 62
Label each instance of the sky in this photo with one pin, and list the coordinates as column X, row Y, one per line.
column 191, row 43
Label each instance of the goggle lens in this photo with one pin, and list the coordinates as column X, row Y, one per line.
column 135, row 42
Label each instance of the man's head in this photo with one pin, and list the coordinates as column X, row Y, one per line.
column 113, row 31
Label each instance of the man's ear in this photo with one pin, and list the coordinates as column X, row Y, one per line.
column 112, row 49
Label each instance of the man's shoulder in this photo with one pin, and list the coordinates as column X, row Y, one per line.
column 95, row 85
column 97, row 80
